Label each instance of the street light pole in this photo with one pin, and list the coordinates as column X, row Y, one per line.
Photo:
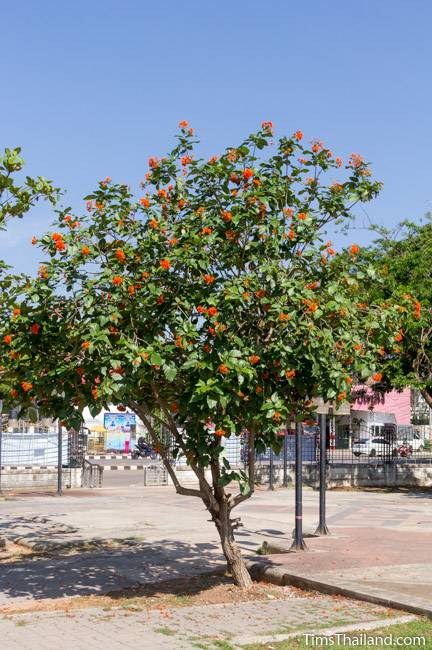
column 298, row 543
column 322, row 526
column 59, row 460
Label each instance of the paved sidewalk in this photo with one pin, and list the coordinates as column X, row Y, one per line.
column 381, row 541
column 184, row 628
column 374, row 563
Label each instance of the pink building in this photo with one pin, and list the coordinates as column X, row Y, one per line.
column 373, row 407
column 370, row 413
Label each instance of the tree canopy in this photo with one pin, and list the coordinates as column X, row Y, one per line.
column 403, row 256
column 210, row 304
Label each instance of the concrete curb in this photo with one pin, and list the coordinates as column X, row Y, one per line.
column 279, row 576
column 120, row 468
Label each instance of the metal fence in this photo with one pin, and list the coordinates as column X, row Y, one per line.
column 368, row 445
column 31, row 456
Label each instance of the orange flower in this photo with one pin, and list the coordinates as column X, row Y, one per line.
column 302, row 216
column 85, row 250
column 206, row 348
column 339, row 162
column 117, row 280
column 417, row 311
column 258, row 390
column 267, row 126
column 357, row 346
column 131, row 290
column 85, row 345
column 247, row 174
column 313, row 306
column 212, row 311
column 43, row 272
column 381, row 351
column 174, row 407
column 7, row 339
column 284, row 317
column 349, row 380
column 34, row 329
column 289, row 374
column 186, row 160
column 201, row 309
column 207, row 231
column 120, row 255
column 355, row 160
column 212, row 331
column 354, row 249
column 342, row 396
column 14, row 392
column 99, row 206
column 277, row 416
column 60, row 245
column 75, row 224
column 226, row 216
column 145, row 275
column 153, row 223
column 254, row 359
column 181, row 203
column 162, row 194
column 298, row 135
column 173, row 241
column 223, row 369
column 26, row 386
column 34, row 240
column 160, row 299
column 145, row 202
column 95, row 392
column 57, row 236
column 165, row 264
column 234, row 178
column 330, row 251
column 179, row 342
column 183, row 124
column 246, row 295
column 209, row 279
column 219, row 433
column 399, row 336
column 16, row 312
column 377, row 376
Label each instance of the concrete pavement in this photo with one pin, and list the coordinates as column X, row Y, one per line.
column 165, row 535
column 183, row 628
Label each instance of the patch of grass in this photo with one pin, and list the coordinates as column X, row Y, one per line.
column 421, row 627
column 166, row 631
column 21, row 623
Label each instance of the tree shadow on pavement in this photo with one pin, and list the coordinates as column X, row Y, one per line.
column 96, row 573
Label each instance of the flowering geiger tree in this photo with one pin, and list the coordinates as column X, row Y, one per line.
column 211, row 305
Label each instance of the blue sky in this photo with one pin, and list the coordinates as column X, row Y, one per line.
column 91, row 89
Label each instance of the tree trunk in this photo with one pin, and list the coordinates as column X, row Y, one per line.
column 232, row 552
column 427, row 397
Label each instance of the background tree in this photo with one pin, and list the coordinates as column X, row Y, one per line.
column 403, row 256
column 16, row 199
column 211, row 305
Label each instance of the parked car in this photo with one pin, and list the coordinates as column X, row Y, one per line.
column 372, row 447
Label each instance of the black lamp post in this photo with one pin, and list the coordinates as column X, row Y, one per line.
column 298, row 543
column 59, row 460
column 322, row 526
